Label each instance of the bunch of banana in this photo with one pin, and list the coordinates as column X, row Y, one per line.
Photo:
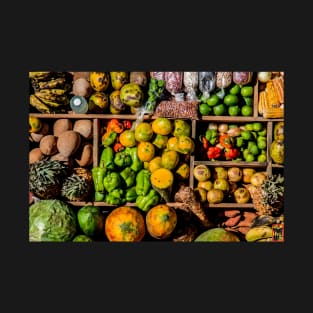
column 51, row 91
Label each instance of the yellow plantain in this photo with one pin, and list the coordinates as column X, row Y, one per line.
column 53, row 83
column 54, row 103
column 52, row 97
column 39, row 75
column 53, row 91
column 38, row 104
column 259, row 232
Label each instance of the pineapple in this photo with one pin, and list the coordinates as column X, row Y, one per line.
column 46, row 178
column 268, row 198
column 77, row 186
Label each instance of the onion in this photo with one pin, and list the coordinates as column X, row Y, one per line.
column 223, row 128
column 212, row 126
column 234, row 132
column 264, row 77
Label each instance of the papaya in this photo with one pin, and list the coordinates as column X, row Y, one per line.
column 119, row 79
column 99, row 81
column 132, row 95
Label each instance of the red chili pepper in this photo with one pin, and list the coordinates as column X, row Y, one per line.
column 205, row 143
column 127, row 124
column 214, row 152
column 226, row 141
column 232, row 153
column 118, row 147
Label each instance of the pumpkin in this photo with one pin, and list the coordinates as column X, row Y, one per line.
column 161, row 221
column 125, row 224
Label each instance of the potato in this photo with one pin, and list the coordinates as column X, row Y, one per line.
column 61, row 125
column 84, row 127
column 86, row 155
column 36, row 137
column 48, row 145
column 139, row 78
column 35, row 155
column 68, row 142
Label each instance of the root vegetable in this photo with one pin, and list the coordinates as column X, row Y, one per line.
column 48, row 145
column 81, row 87
column 35, row 155
column 232, row 221
column 231, row 213
column 61, row 125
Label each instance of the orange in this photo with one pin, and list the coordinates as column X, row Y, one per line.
column 127, row 138
column 146, row 151
column 155, row 163
column 143, row 131
column 172, row 143
column 162, row 126
column 170, row 159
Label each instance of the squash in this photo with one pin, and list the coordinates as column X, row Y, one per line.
column 125, row 224
column 161, row 221
column 119, row 79
column 99, row 81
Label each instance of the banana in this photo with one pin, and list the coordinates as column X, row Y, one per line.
column 38, row 104
column 259, row 232
column 53, row 83
column 264, row 240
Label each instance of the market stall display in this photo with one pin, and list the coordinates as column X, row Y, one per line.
column 208, row 146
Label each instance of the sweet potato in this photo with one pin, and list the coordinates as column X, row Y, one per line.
column 35, row 155
column 61, row 125
column 84, row 127
column 48, row 145
column 68, row 142
column 231, row 213
column 232, row 221
column 86, row 155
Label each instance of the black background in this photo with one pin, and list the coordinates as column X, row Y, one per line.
column 154, row 276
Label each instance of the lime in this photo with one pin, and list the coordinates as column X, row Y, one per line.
column 249, row 157
column 234, row 110
column 262, row 158
column 246, row 91
column 257, row 126
column 262, row 132
column 82, row 238
column 249, row 126
column 261, row 142
column 246, row 110
column 219, row 109
column 213, row 100
column 231, row 99
column 90, row 220
column 234, row 90
column 205, row 109
column 254, row 150
column 248, row 100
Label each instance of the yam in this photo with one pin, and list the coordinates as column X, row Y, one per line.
column 36, row 137
column 48, row 145
column 86, row 155
column 61, row 125
column 68, row 142
column 84, row 127
column 35, row 155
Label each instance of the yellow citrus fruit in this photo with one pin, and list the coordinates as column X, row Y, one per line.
column 143, row 131
column 35, row 124
column 155, row 163
column 127, row 138
column 172, row 143
column 162, row 178
column 146, row 151
column 160, row 141
column 162, row 126
column 170, row 159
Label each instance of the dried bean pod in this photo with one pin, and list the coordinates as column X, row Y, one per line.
column 207, row 83
column 223, row 79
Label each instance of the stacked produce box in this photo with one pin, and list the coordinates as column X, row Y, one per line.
column 156, row 156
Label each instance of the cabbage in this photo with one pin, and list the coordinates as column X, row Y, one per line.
column 51, row 220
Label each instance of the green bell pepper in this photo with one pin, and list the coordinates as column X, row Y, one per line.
column 130, row 194
column 137, row 164
column 143, row 183
column 211, row 136
column 129, row 176
column 98, row 174
column 106, row 158
column 144, row 203
column 122, row 159
column 108, row 138
column 115, row 197
column 112, row 181
column 99, row 196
